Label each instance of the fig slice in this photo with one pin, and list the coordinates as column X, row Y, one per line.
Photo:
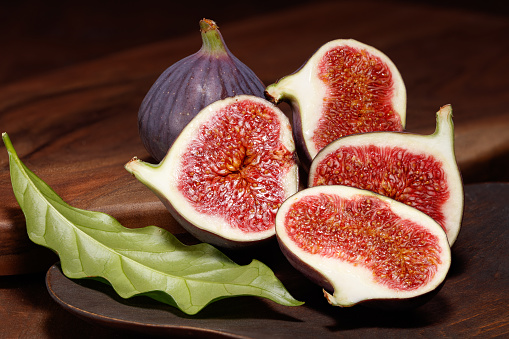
column 228, row 172
column 346, row 87
column 418, row 170
column 362, row 247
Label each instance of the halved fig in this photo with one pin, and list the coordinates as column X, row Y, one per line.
column 228, row 172
column 361, row 247
column 417, row 170
column 346, row 87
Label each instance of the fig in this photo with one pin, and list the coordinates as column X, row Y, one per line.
column 362, row 247
column 346, row 87
column 417, row 170
column 228, row 172
column 183, row 89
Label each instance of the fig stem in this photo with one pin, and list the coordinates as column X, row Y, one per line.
column 212, row 40
column 444, row 124
column 145, row 172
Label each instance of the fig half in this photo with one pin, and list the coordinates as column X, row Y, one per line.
column 418, row 170
column 187, row 86
column 361, row 247
column 346, row 87
column 228, row 172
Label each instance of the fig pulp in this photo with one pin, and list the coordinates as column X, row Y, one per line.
column 363, row 247
column 189, row 85
column 417, row 170
column 228, row 172
column 346, row 87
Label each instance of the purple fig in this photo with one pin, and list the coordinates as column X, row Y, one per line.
column 183, row 89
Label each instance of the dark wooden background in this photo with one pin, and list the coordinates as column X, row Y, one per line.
column 38, row 36
column 72, row 73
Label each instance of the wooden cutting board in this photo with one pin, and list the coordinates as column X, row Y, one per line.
column 77, row 127
column 471, row 303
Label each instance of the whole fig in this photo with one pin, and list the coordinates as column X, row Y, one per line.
column 183, row 89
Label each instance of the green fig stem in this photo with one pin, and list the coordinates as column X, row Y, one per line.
column 444, row 132
column 141, row 169
column 151, row 175
column 444, row 123
column 212, row 39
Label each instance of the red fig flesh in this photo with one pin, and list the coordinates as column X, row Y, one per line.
column 361, row 246
column 182, row 90
column 418, row 170
column 346, row 87
column 228, row 172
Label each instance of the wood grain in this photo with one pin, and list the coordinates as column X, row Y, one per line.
column 76, row 127
column 472, row 302
column 70, row 109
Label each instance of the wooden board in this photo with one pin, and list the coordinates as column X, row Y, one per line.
column 474, row 300
column 76, row 127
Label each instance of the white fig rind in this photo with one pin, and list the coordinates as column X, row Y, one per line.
column 305, row 92
column 440, row 145
column 163, row 178
column 355, row 284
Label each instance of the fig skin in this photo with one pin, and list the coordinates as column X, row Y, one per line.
column 213, row 227
column 392, row 304
column 189, row 85
column 199, row 233
column 389, row 304
column 305, row 92
column 327, row 275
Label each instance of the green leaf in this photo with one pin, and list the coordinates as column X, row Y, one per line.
column 142, row 261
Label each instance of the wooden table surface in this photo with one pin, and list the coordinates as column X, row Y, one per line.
column 70, row 105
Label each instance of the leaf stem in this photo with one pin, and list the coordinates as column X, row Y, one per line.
column 8, row 143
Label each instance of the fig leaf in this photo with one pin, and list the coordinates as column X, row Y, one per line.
column 140, row 261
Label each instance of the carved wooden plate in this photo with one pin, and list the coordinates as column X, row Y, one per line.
column 473, row 301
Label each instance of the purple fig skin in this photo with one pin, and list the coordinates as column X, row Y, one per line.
column 183, row 89
column 209, row 237
column 302, row 151
column 401, row 304
column 307, row 270
column 382, row 304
